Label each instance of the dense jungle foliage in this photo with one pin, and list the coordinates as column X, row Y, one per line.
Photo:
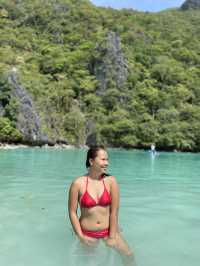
column 54, row 44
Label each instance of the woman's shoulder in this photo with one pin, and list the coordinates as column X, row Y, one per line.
column 78, row 180
column 111, row 179
column 76, row 184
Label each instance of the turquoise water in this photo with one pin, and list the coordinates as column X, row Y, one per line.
column 159, row 213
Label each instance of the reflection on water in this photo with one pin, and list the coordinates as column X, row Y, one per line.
column 98, row 255
column 159, row 213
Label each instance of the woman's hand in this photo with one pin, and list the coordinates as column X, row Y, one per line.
column 111, row 242
column 89, row 241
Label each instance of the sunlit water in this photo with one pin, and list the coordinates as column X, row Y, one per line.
column 159, row 210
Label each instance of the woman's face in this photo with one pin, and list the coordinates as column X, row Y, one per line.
column 100, row 162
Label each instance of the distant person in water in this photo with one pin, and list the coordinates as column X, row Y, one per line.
column 153, row 148
column 98, row 196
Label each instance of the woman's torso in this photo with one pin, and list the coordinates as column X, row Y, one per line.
column 94, row 200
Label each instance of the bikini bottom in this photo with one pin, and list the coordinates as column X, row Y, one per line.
column 96, row 234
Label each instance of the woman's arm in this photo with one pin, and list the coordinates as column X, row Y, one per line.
column 72, row 208
column 114, row 208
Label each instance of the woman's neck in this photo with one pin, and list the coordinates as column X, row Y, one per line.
column 94, row 175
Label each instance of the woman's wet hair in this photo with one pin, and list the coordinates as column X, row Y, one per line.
column 92, row 153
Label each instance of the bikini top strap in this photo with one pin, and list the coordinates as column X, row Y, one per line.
column 86, row 183
column 103, row 183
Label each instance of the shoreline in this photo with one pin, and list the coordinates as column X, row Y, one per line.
column 6, row 146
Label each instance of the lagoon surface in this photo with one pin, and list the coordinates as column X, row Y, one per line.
column 159, row 209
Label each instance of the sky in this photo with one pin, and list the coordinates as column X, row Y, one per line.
column 141, row 5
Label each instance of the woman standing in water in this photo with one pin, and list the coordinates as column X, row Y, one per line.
column 98, row 196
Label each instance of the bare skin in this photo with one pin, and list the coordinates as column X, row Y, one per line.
column 98, row 217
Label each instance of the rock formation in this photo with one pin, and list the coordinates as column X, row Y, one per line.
column 191, row 4
column 28, row 122
column 111, row 64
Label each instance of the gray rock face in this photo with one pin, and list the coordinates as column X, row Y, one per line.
column 60, row 8
column 112, row 65
column 90, row 133
column 191, row 4
column 28, row 122
column 2, row 111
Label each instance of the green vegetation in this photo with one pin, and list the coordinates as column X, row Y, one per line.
column 7, row 131
column 55, row 44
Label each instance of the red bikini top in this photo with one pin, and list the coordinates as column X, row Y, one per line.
column 87, row 201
